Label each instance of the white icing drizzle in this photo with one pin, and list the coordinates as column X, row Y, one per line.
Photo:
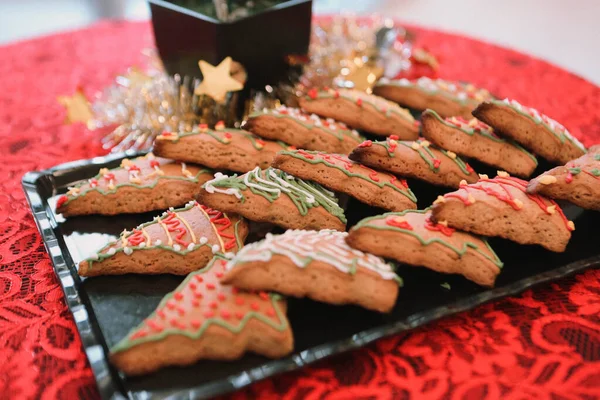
column 210, row 188
column 302, row 247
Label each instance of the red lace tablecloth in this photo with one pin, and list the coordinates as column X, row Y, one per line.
column 543, row 344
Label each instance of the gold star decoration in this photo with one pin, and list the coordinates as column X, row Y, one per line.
column 77, row 106
column 217, row 81
column 363, row 75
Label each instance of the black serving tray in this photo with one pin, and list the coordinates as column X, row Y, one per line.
column 106, row 308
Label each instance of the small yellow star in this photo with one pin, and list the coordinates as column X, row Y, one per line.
column 77, row 106
column 217, row 81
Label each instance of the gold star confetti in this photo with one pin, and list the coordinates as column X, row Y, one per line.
column 217, row 81
column 77, row 106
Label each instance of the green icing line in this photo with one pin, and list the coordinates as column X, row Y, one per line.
column 127, row 343
column 117, row 186
column 238, row 241
column 425, row 151
column 338, row 133
column 562, row 136
column 485, row 134
column 407, row 193
column 396, row 110
column 270, row 189
column 596, row 172
column 574, row 171
column 597, row 157
column 365, row 223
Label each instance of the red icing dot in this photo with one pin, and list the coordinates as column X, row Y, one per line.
column 271, row 312
column 195, row 324
column 139, row 334
column 219, row 274
column 416, row 123
column 133, row 168
column 239, row 301
column 198, row 295
column 178, row 296
column 62, row 200
column 260, row 141
column 221, row 296
column 203, row 126
column 359, row 102
column 468, row 167
column 209, row 314
column 166, row 133
column 155, row 326
column 161, row 314
column 255, row 306
column 313, row 93
column 109, row 176
column 93, row 182
column 199, row 278
column 154, row 163
column 193, row 286
column 181, row 311
column 235, row 290
column 394, row 137
column 569, row 177
column 171, row 305
column 210, row 286
column 225, row 314
column 436, row 163
column 336, row 94
column 196, row 303
column 228, row 135
column 366, row 143
column 213, row 305
column 264, row 295
column 239, row 314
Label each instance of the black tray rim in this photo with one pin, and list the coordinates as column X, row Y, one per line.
column 92, row 339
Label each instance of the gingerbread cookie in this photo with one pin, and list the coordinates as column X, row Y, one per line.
column 362, row 111
column 318, row 265
column 502, row 207
column 473, row 138
column 535, row 131
column 578, row 181
column 418, row 159
column 304, row 131
column 230, row 149
column 271, row 195
column 340, row 174
column 445, row 97
column 412, row 238
column 177, row 242
column 203, row 319
column 139, row 185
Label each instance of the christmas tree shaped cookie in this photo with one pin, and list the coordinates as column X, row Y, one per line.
column 337, row 172
column 222, row 148
column 273, row 196
column 502, row 207
column 411, row 237
column 362, row 111
column 319, row 265
column 473, row 138
column 177, row 242
column 304, row 131
column 534, row 130
column 445, row 97
column 417, row 159
column 139, row 185
column 578, row 181
column 203, row 319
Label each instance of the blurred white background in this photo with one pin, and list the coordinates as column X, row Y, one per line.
column 563, row 32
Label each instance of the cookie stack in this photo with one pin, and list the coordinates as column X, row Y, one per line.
column 288, row 167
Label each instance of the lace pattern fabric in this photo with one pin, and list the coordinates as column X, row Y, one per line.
column 542, row 344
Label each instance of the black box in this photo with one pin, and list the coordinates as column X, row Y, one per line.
column 260, row 41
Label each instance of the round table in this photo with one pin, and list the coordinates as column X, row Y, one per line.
column 541, row 344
